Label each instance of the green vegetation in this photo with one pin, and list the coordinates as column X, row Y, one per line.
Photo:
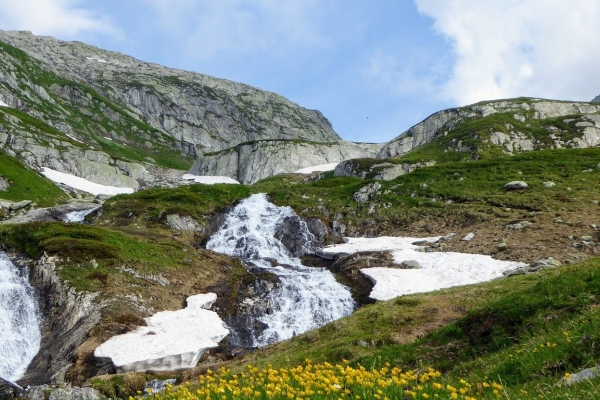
column 152, row 206
column 26, row 184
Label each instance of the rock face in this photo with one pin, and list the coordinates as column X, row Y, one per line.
column 385, row 171
column 68, row 317
column 596, row 99
column 171, row 340
column 567, row 124
column 79, row 109
column 253, row 161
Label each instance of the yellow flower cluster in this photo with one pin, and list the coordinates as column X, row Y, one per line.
column 325, row 382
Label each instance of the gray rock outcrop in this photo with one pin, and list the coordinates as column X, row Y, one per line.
column 93, row 109
column 582, row 119
column 251, row 162
column 596, row 99
column 380, row 171
column 68, row 316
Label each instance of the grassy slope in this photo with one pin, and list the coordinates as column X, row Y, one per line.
column 26, row 184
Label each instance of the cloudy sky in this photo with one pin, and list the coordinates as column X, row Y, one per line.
column 373, row 67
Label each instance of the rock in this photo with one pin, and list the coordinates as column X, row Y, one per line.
column 367, row 192
column 448, row 236
column 171, row 340
column 184, row 223
column 468, row 237
column 294, row 234
column 596, row 99
column 318, row 229
column 519, row 225
column 549, row 184
column 68, row 317
column 252, row 161
column 9, row 390
column 410, row 264
column 381, row 171
column 46, row 392
column 4, row 184
column 586, row 238
column 501, row 246
column 20, row 205
column 586, row 374
column 516, row 185
column 542, row 264
column 157, row 385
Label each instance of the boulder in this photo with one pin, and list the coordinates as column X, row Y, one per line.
column 586, row 374
column 184, row 223
column 519, row 225
column 468, row 237
column 4, row 184
column 171, row 340
column 410, row 264
column 367, row 192
column 516, row 185
column 20, row 205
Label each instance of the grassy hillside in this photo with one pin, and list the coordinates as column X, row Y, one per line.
column 26, row 184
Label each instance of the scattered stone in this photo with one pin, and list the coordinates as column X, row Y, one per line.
column 586, row 238
column 519, row 225
column 367, row 192
column 593, row 226
column 595, row 202
column 448, row 236
column 516, row 185
column 586, row 374
column 585, row 171
column 184, row 223
column 545, row 263
column 20, row 205
column 46, row 392
column 549, row 184
column 410, row 264
column 423, row 186
column 468, row 237
column 502, row 246
column 4, row 184
column 507, row 209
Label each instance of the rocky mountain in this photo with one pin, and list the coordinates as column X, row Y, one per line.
column 113, row 119
column 596, row 99
column 483, row 130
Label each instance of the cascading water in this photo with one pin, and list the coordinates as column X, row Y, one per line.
column 307, row 297
column 20, row 334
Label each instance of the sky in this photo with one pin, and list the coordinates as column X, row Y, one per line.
column 374, row 68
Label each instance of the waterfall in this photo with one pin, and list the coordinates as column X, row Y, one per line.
column 307, row 297
column 20, row 334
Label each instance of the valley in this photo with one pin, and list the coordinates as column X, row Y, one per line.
column 164, row 237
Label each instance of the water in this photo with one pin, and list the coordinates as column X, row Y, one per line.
column 20, row 333
column 307, row 297
column 78, row 216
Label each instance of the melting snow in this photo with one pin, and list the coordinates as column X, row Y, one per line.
column 317, row 168
column 171, row 340
column 100, row 60
column 3, row 104
column 83, row 184
column 440, row 269
column 209, row 180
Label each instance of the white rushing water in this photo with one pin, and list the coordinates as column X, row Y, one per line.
column 78, row 216
column 307, row 297
column 20, row 334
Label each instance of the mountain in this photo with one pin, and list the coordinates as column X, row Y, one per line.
column 113, row 119
column 596, row 99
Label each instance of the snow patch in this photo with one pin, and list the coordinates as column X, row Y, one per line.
column 171, row 340
column 3, row 104
column 440, row 269
column 317, row 168
column 100, row 60
column 74, row 138
column 83, row 184
column 209, row 180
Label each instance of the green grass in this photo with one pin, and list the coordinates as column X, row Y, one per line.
column 153, row 205
column 26, row 184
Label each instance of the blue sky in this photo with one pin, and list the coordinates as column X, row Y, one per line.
column 374, row 68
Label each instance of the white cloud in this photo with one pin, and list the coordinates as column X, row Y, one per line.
column 54, row 17
column 509, row 48
column 244, row 28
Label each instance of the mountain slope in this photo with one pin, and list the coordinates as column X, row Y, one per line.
column 69, row 98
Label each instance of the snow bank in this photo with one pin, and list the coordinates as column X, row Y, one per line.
column 317, row 168
column 210, row 180
column 3, row 104
column 171, row 340
column 440, row 269
column 83, row 184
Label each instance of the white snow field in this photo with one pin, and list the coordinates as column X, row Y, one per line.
column 317, row 168
column 83, row 184
column 440, row 269
column 210, row 180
